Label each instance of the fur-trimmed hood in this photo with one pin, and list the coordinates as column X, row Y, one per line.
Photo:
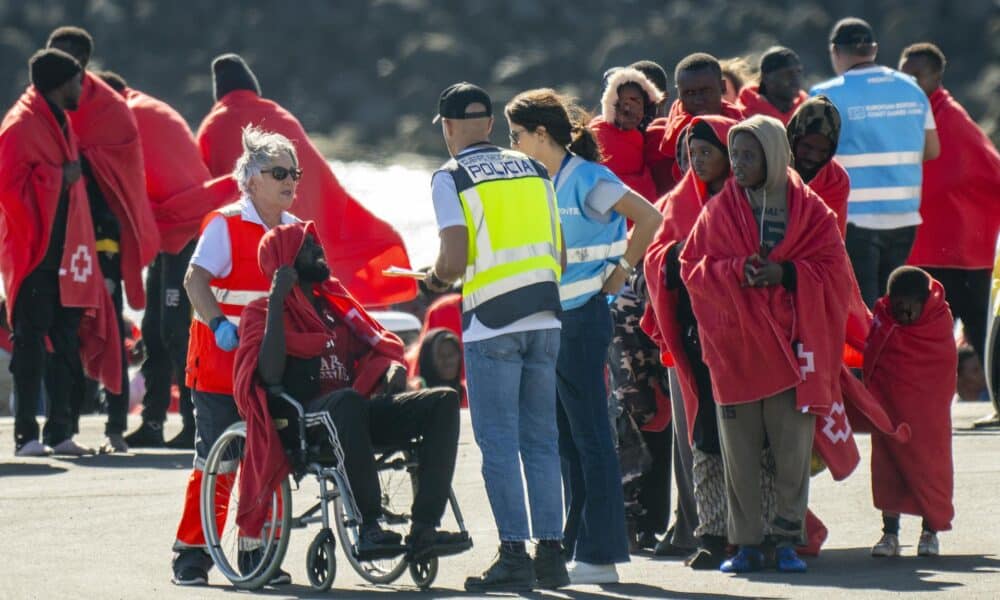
column 619, row 78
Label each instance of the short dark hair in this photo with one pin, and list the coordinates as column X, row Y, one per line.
column 653, row 72
column 909, row 282
column 116, row 81
column 928, row 51
column 697, row 62
column 78, row 38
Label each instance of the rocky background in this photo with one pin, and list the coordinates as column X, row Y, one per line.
column 364, row 76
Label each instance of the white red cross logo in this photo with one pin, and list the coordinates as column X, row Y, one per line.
column 810, row 361
column 81, row 264
column 836, row 426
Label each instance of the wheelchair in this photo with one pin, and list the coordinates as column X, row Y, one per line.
column 250, row 563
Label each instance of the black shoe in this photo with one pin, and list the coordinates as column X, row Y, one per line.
column 427, row 542
column 550, row 567
column 666, row 548
column 510, row 572
column 148, row 435
column 375, row 543
column 248, row 560
column 183, row 440
column 646, row 540
column 710, row 555
column 191, row 567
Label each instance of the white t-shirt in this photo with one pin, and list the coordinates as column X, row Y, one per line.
column 448, row 211
column 214, row 252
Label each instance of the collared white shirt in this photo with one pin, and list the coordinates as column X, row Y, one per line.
column 214, row 252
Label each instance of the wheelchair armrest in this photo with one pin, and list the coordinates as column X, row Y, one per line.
column 279, row 392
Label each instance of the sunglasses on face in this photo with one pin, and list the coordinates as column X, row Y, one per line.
column 280, row 173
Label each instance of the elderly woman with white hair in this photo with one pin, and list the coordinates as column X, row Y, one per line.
column 221, row 280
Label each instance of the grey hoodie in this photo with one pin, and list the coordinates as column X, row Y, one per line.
column 777, row 159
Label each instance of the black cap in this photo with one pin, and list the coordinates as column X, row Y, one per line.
column 230, row 72
column 778, row 58
column 456, row 98
column 852, row 31
column 50, row 68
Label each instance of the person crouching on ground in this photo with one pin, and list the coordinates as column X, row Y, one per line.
column 314, row 341
column 769, row 281
column 911, row 366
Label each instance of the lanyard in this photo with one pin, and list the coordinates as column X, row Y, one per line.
column 565, row 161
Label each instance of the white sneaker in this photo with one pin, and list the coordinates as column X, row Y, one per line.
column 887, row 546
column 581, row 573
column 33, row 448
column 69, row 447
column 928, row 545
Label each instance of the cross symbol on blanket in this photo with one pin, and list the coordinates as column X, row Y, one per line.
column 808, row 357
column 81, row 264
column 836, row 426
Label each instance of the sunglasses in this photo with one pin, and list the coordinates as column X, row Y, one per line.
column 280, row 173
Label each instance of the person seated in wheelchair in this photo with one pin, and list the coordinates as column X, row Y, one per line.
column 312, row 340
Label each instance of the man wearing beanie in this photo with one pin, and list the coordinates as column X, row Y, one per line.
column 779, row 92
column 882, row 150
column 47, row 258
column 124, row 227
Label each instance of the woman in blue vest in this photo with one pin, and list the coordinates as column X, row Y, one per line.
column 593, row 207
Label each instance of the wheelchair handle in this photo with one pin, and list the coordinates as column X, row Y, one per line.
column 302, row 418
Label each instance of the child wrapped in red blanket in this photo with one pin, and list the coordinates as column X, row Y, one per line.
column 910, row 367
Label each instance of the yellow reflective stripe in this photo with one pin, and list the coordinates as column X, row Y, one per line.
column 597, row 252
column 500, row 287
column 106, row 245
column 508, row 270
column 236, row 297
column 512, row 255
column 585, row 286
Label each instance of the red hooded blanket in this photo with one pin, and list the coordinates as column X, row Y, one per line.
column 960, row 202
column 358, row 245
column 754, row 103
column 306, row 336
column 833, row 185
column 622, row 152
column 109, row 140
column 912, row 369
column 177, row 180
column 33, row 151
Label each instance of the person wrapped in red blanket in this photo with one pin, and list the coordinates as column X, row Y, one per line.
column 770, row 286
column 313, row 340
column 910, row 366
column 780, row 91
column 359, row 244
column 627, row 94
column 699, row 92
column 813, row 134
column 56, row 301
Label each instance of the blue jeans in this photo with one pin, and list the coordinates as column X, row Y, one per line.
column 512, row 401
column 595, row 505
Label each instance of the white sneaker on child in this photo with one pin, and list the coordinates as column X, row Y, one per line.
column 928, row 545
column 887, row 546
column 582, row 573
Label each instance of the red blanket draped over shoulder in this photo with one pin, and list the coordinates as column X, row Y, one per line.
column 33, row 150
column 109, row 140
column 177, row 180
column 960, row 197
column 358, row 245
column 912, row 369
column 306, row 336
column 760, row 341
column 833, row 185
column 754, row 103
column 660, row 148
column 622, row 152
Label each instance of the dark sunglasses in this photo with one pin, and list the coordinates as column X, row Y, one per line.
column 280, row 173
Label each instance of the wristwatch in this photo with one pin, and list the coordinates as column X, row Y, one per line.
column 436, row 283
column 625, row 266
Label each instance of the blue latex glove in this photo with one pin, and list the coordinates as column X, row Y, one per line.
column 226, row 337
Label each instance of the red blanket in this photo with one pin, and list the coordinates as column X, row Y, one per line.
column 833, row 185
column 306, row 336
column 623, row 153
column 760, row 341
column 661, row 141
column 33, row 150
column 109, row 140
column 754, row 103
column 960, row 202
column 177, row 180
column 358, row 245
column 912, row 369
column 680, row 208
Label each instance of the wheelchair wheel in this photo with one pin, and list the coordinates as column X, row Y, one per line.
column 321, row 561
column 398, row 485
column 247, row 563
column 423, row 572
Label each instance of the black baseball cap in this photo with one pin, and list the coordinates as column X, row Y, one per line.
column 852, row 31
column 456, row 98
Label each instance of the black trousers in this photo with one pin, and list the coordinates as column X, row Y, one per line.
column 968, row 293
column 165, row 331
column 362, row 424
column 654, row 485
column 38, row 313
column 116, row 404
column 875, row 253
